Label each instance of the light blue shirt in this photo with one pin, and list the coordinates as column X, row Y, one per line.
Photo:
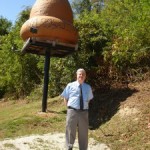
column 72, row 94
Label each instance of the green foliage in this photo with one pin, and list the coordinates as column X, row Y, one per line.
column 80, row 6
column 91, row 43
column 109, row 44
column 18, row 74
column 62, row 71
column 127, row 24
column 5, row 26
column 112, row 41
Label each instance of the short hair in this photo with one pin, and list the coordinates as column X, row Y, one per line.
column 81, row 70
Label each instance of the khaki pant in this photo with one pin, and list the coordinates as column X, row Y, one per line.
column 77, row 120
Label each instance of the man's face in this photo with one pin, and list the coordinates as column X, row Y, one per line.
column 81, row 76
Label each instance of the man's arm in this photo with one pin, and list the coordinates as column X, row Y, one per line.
column 65, row 101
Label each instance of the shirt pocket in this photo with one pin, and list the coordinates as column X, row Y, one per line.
column 74, row 92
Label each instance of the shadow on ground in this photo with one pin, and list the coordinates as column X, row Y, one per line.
column 105, row 104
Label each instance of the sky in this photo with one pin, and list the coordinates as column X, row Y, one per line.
column 10, row 9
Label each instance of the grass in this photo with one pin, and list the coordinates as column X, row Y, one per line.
column 20, row 118
column 122, row 124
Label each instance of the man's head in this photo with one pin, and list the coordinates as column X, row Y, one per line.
column 81, row 75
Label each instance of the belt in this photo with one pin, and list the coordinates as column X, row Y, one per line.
column 69, row 107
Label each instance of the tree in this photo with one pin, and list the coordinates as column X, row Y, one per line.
column 127, row 26
column 5, row 26
column 18, row 74
column 80, row 6
column 89, row 56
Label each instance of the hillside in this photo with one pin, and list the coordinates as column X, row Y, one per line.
column 124, row 124
column 118, row 117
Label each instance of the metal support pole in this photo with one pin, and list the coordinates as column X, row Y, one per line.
column 46, row 80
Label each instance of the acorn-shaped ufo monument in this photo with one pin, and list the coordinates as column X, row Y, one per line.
column 49, row 32
column 51, row 21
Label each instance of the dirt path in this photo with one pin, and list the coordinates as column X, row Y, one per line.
column 45, row 142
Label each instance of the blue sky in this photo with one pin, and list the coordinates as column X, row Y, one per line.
column 11, row 8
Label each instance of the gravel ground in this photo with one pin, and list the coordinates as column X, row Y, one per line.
column 49, row 141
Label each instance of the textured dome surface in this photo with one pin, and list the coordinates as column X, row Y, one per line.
column 53, row 20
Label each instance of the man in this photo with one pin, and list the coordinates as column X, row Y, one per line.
column 77, row 96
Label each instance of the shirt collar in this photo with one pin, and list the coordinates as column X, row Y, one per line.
column 78, row 84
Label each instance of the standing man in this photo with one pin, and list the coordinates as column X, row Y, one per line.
column 77, row 96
